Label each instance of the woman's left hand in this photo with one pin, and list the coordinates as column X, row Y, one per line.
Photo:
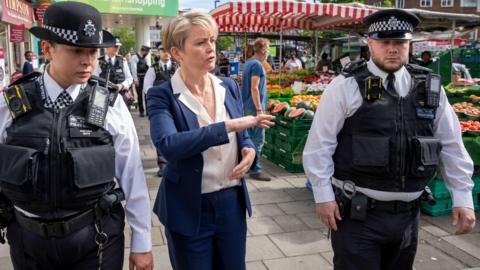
column 248, row 156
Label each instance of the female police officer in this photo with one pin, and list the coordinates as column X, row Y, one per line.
column 381, row 130
column 61, row 150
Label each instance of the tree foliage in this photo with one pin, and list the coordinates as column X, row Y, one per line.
column 225, row 43
column 127, row 37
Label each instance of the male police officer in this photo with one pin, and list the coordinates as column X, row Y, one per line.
column 158, row 73
column 161, row 71
column 115, row 67
column 379, row 133
column 139, row 69
column 62, row 143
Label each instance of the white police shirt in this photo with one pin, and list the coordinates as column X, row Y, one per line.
column 128, row 165
column 126, row 72
column 341, row 100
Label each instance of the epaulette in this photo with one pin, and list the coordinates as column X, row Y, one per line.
column 27, row 78
column 351, row 68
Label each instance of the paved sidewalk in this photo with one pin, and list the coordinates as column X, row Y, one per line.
column 285, row 234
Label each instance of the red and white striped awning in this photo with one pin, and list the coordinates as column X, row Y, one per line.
column 274, row 16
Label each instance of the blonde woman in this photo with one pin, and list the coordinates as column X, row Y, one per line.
column 197, row 124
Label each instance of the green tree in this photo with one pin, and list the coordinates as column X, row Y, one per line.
column 387, row 3
column 127, row 38
column 225, row 43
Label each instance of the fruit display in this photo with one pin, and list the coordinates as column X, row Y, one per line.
column 280, row 108
column 475, row 98
column 470, row 125
column 306, row 101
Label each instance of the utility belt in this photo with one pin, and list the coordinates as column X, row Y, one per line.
column 356, row 204
column 61, row 228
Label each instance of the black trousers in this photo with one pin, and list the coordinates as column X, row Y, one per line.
column 384, row 241
column 140, row 95
column 76, row 251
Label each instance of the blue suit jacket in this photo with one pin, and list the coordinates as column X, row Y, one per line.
column 176, row 133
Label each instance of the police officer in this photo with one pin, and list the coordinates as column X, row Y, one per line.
column 115, row 67
column 378, row 135
column 63, row 141
column 161, row 71
column 139, row 69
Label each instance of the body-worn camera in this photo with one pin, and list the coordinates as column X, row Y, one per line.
column 17, row 101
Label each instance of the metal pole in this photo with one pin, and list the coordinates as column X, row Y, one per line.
column 451, row 50
column 281, row 48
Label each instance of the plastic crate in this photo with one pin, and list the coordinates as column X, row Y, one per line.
column 285, row 161
column 304, row 124
column 438, row 188
column 286, row 132
column 444, row 206
column 472, row 144
column 267, row 153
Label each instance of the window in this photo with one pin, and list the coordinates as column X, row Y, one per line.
column 468, row 3
column 426, row 3
column 447, row 3
column 400, row 3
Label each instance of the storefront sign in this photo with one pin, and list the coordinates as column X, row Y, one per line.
column 17, row 12
column 2, row 69
column 17, row 34
column 135, row 7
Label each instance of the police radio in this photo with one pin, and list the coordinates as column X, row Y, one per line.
column 433, row 87
column 17, row 100
column 98, row 105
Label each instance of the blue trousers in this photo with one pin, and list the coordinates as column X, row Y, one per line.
column 257, row 135
column 221, row 238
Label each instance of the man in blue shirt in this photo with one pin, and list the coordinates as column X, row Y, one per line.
column 254, row 95
column 28, row 66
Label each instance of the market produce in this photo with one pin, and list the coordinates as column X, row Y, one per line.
column 305, row 98
column 462, row 107
column 308, row 115
column 296, row 113
column 288, row 111
column 280, row 108
column 470, row 125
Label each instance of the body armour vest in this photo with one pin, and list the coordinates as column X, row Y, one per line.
column 161, row 75
column 387, row 144
column 116, row 74
column 142, row 66
column 53, row 162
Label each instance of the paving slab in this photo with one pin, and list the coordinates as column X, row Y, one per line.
column 310, row 262
column 430, row 258
column 256, row 266
column 267, row 210
column 290, row 223
column 274, row 184
column 469, row 243
column 261, row 248
column 300, row 194
column 301, row 243
column 312, row 221
column 263, row 225
column 267, row 197
column 298, row 182
column 297, row 207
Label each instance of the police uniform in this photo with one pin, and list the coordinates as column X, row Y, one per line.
column 159, row 73
column 139, row 69
column 57, row 169
column 375, row 134
column 116, row 68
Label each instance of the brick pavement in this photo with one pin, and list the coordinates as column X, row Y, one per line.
column 285, row 234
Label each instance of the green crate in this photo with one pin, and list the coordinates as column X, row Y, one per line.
column 286, row 132
column 286, row 145
column 304, row 124
column 269, row 137
column 472, row 144
column 267, row 153
column 438, row 188
column 476, row 184
column 443, row 206
column 285, row 160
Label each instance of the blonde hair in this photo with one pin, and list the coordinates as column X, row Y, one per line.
column 260, row 44
column 176, row 31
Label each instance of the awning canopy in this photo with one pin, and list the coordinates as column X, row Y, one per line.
column 275, row 16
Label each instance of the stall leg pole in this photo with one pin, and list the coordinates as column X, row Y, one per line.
column 281, row 49
column 451, row 50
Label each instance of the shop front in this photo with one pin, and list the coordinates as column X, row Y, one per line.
column 15, row 40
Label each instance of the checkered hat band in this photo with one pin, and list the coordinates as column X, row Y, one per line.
column 386, row 26
column 68, row 35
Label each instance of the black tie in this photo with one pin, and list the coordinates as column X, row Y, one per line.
column 165, row 67
column 391, row 83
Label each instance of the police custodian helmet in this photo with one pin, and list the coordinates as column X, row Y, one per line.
column 391, row 24
column 74, row 24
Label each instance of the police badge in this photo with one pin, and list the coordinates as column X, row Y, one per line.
column 89, row 29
